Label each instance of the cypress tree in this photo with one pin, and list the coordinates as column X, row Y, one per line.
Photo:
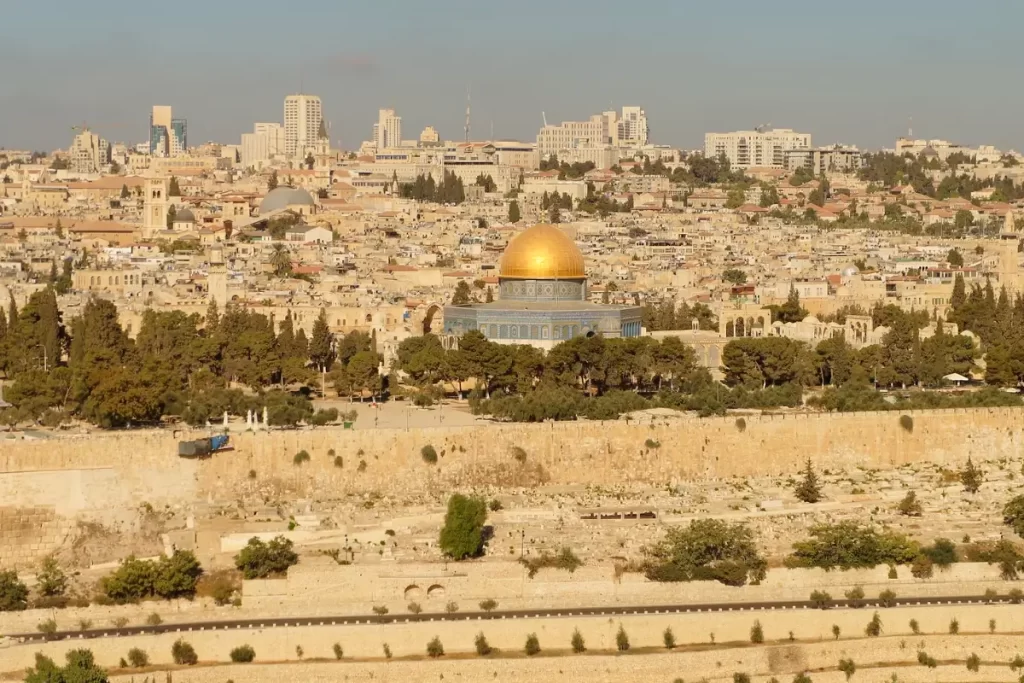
column 808, row 490
column 320, row 351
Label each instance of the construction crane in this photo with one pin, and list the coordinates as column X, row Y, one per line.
column 545, row 117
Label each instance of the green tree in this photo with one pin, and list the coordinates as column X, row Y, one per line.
column 809, row 490
column 172, row 212
column 462, row 535
column 791, row 311
column 577, row 642
column 1013, row 515
column 707, row 549
column 281, row 260
column 955, row 259
column 51, row 581
column 849, row 545
column 735, row 276
column 173, row 190
column 125, row 192
column 463, row 294
column 259, row 559
column 80, row 668
column 735, row 198
column 272, row 181
column 971, row 477
column 183, row 653
column 621, row 639
column 910, row 506
column 513, row 212
column 13, row 593
column 321, row 352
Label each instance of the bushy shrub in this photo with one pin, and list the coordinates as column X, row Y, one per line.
column 621, row 639
column 668, row 638
column 138, row 658
column 887, row 598
column 707, row 549
column 756, row 633
column 300, row 458
column 414, row 608
column 51, row 581
column 488, row 605
column 821, row 599
column 434, row 648
column 169, row 577
column 380, row 610
column 578, row 644
column 462, row 533
column 243, row 654
column 849, row 545
column 483, row 648
column 258, row 560
column 13, row 593
column 429, row 455
column 338, row 652
column 856, row 596
column 183, row 653
column 48, row 627
column 532, row 645
column 874, row 627
column 565, row 559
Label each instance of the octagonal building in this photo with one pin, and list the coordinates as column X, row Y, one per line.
column 542, row 297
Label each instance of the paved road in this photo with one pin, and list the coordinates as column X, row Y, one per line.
column 503, row 614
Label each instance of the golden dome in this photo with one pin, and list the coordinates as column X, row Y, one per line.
column 542, row 252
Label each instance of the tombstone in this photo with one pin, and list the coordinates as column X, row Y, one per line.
column 225, row 419
column 266, row 421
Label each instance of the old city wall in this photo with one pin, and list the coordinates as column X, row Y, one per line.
column 103, row 471
column 106, row 477
column 813, row 646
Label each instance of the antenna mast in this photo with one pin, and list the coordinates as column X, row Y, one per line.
column 467, row 112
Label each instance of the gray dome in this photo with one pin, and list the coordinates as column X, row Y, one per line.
column 184, row 216
column 283, row 197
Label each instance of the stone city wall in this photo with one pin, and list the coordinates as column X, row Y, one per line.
column 813, row 648
column 105, row 477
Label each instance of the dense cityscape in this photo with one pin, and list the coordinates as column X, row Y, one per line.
column 433, row 406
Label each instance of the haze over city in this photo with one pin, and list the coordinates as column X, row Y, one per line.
column 571, row 341
column 846, row 72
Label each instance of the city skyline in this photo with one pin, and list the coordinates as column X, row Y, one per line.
column 854, row 76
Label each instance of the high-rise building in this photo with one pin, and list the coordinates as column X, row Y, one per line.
column 632, row 127
column 168, row 136
column 160, row 130
column 761, row 148
column 302, row 117
column 387, row 132
column 88, row 153
column 179, row 137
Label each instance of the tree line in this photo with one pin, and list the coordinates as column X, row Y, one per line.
column 425, row 189
column 178, row 365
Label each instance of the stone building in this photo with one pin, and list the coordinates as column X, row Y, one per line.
column 543, row 288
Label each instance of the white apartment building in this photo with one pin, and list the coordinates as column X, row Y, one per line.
column 592, row 139
column 760, row 148
column 631, row 129
column 941, row 148
column 88, row 153
column 275, row 136
column 302, row 117
column 593, row 132
column 387, row 132
column 837, row 158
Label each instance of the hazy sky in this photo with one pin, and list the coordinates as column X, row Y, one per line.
column 851, row 72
